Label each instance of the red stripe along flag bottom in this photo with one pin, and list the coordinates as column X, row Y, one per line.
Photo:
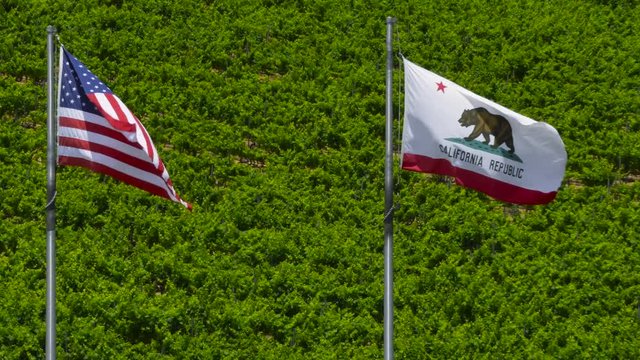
column 97, row 131
column 449, row 130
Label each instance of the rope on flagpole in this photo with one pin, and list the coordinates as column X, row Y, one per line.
column 393, row 208
column 53, row 199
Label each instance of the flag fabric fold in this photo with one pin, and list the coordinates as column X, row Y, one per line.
column 449, row 130
column 97, row 131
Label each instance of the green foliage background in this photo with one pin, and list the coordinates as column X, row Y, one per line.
column 270, row 118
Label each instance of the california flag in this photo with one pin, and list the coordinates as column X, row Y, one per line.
column 449, row 130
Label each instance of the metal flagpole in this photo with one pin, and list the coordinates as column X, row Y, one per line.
column 50, row 346
column 388, row 204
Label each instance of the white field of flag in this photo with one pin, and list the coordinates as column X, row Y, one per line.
column 449, row 130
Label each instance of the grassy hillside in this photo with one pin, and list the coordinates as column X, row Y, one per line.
column 270, row 118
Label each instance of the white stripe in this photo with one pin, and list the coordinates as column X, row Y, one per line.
column 96, row 138
column 131, row 119
column 118, row 166
column 136, row 137
column 127, row 113
column 95, row 119
column 141, row 140
column 165, row 174
column 104, row 140
column 84, row 116
column 110, row 142
column 106, row 105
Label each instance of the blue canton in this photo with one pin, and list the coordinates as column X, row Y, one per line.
column 77, row 81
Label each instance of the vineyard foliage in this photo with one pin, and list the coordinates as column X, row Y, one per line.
column 270, row 117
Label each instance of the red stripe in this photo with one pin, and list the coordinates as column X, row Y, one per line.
column 98, row 129
column 497, row 189
column 153, row 189
column 110, row 152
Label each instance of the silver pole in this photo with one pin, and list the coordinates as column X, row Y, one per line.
column 388, row 204
column 50, row 347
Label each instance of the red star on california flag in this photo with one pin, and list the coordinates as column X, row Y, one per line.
column 441, row 86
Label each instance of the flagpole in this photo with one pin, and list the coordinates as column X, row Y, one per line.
column 50, row 346
column 388, row 203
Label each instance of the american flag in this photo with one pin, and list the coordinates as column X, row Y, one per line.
column 97, row 131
